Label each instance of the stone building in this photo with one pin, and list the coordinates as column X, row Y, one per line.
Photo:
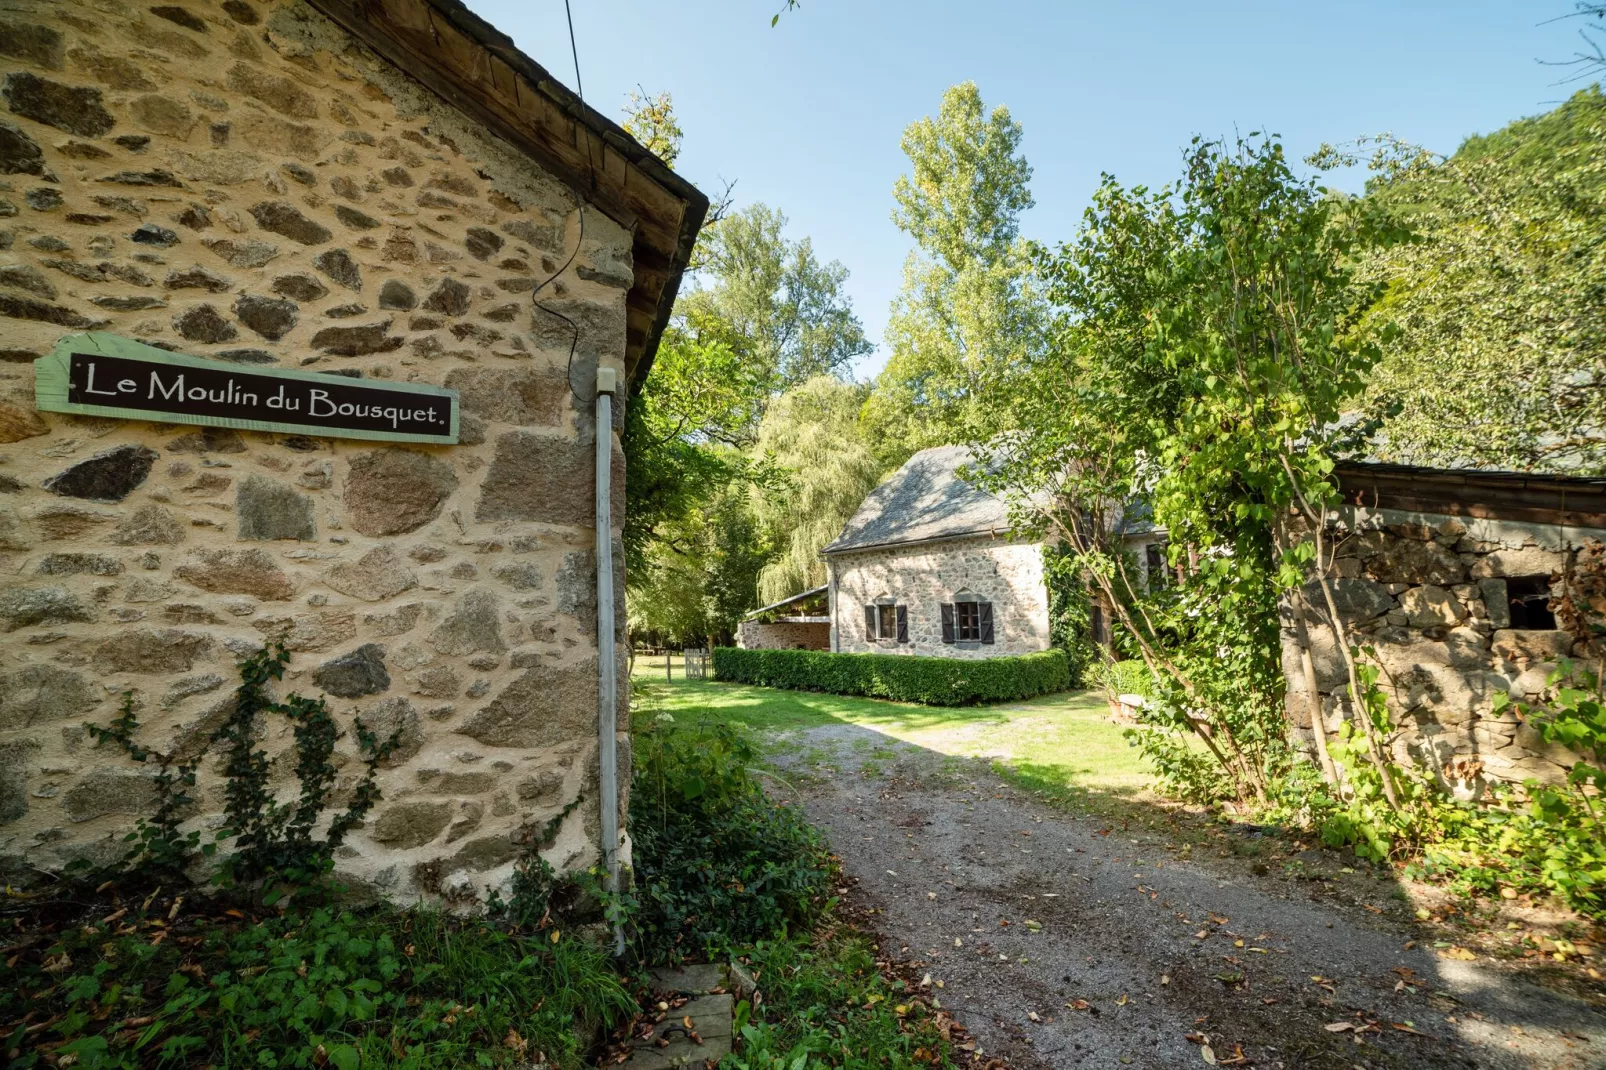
column 802, row 622
column 1448, row 577
column 387, row 190
column 928, row 566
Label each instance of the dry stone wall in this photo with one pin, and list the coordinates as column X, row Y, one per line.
column 923, row 577
column 242, row 181
column 784, row 635
column 1430, row 594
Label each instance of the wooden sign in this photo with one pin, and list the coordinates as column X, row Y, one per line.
column 100, row 374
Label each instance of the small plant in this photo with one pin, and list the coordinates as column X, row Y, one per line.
column 272, row 839
column 160, row 847
column 718, row 865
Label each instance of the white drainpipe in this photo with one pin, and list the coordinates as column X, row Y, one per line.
column 607, row 659
column 830, row 600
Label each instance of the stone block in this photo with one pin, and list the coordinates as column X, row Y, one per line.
column 26, row 607
column 267, row 510
column 542, row 707
column 1496, row 601
column 394, row 491
column 377, row 575
column 148, row 651
column 354, row 674
column 110, row 791
column 406, row 825
column 1431, row 607
column 251, row 572
column 44, row 694
column 1527, row 561
column 109, row 476
column 472, row 628
column 1519, row 644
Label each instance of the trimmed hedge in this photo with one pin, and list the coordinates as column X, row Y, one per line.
column 931, row 681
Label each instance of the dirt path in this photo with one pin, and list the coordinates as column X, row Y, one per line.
column 1147, row 945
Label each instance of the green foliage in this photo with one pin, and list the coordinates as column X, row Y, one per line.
column 718, row 865
column 1070, row 615
column 812, row 436
column 342, row 988
column 770, row 299
column 930, row 681
column 1203, row 352
column 826, row 1004
column 650, row 119
column 702, row 573
column 1499, row 297
column 971, row 311
column 271, row 839
column 161, row 848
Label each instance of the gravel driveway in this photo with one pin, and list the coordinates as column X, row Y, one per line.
column 1062, row 941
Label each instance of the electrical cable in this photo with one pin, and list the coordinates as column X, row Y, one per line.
column 574, row 328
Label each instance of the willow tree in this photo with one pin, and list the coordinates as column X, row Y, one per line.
column 812, row 437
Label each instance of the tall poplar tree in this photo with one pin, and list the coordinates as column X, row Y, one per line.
column 971, row 312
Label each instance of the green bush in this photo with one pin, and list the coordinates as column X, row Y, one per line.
column 931, row 681
column 718, row 865
column 158, row 985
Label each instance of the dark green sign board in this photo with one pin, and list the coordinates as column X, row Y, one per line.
column 100, row 374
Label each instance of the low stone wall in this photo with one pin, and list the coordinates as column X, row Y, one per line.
column 243, row 181
column 783, row 635
column 922, row 577
column 1430, row 595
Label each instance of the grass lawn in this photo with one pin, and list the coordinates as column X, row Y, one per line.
column 1062, row 745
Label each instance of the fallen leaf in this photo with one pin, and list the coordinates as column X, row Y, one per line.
column 1339, row 1027
column 1033, row 1016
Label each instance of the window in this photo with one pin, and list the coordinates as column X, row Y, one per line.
column 967, row 620
column 1530, row 603
column 886, row 622
column 1154, row 564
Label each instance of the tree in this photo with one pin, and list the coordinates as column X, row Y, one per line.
column 769, row 298
column 811, row 435
column 651, row 120
column 703, row 574
column 1205, row 349
column 1498, row 303
column 970, row 314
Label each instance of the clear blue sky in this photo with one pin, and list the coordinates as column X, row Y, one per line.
column 807, row 116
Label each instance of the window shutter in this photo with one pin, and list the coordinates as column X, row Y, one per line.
column 984, row 614
column 947, row 622
column 869, row 622
column 903, row 624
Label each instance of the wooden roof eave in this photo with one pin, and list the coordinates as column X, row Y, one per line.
column 477, row 69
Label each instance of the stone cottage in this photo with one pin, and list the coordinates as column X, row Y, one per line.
column 384, row 190
column 927, row 566
column 1448, row 576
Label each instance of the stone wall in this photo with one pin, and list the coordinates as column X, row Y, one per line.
column 241, row 181
column 1429, row 594
column 783, row 635
column 923, row 577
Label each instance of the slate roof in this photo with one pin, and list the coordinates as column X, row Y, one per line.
column 925, row 499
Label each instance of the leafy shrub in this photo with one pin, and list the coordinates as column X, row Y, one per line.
column 931, row 681
column 1129, row 677
column 718, row 865
column 155, row 985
